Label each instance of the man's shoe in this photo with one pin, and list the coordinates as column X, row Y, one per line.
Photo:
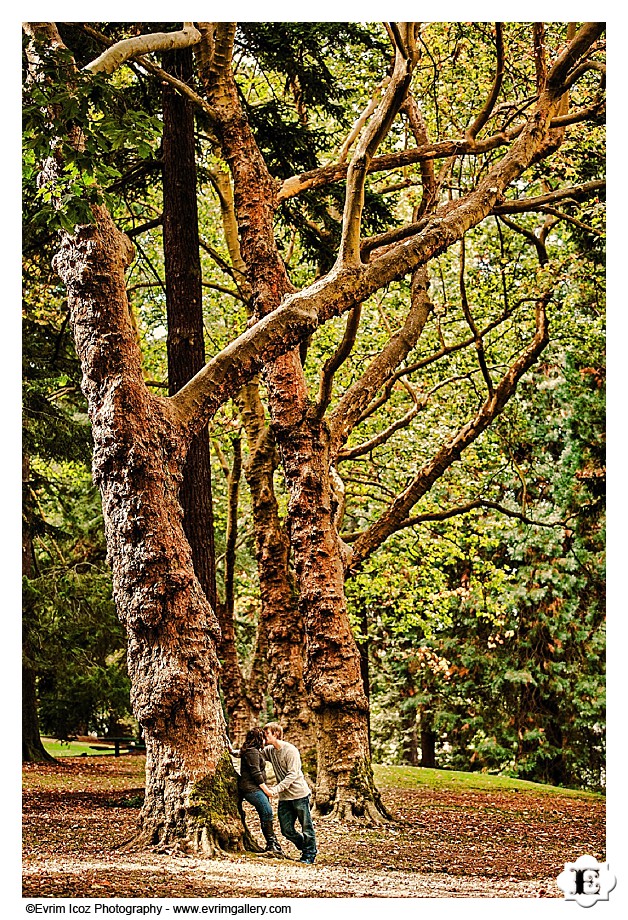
column 307, row 860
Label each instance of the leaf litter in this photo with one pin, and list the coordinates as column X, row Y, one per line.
column 452, row 844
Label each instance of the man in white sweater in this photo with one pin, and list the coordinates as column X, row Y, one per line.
column 293, row 791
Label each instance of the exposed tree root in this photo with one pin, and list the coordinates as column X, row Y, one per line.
column 347, row 810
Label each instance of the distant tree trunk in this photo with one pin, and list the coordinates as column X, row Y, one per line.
column 410, row 739
column 33, row 750
column 184, row 304
column 428, row 740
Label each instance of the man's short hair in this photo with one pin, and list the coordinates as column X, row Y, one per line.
column 275, row 728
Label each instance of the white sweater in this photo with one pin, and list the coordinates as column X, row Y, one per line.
column 286, row 762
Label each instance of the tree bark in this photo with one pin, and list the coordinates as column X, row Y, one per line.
column 172, row 630
column 344, row 782
column 281, row 624
column 184, row 306
column 282, row 620
column 428, row 739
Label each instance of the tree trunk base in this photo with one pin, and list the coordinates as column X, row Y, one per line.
column 348, row 811
column 35, row 752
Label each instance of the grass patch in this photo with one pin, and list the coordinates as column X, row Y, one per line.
column 402, row 777
column 73, row 749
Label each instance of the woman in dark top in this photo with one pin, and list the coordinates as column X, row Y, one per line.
column 252, row 785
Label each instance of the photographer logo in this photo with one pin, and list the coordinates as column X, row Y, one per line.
column 586, row 881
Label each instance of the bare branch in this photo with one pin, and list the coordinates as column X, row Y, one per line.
column 540, row 58
column 530, row 236
column 573, row 220
column 479, row 342
column 450, row 452
column 337, row 359
column 557, row 79
column 375, row 132
column 430, row 516
column 156, row 71
column 352, row 405
column 326, row 175
column 361, row 120
column 143, row 228
column 115, row 56
column 352, row 453
column 539, row 202
column 419, row 130
column 485, row 113
column 578, row 72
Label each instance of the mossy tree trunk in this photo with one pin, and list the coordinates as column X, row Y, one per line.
column 139, row 451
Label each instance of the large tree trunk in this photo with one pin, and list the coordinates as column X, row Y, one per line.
column 281, row 618
column 139, row 448
column 281, row 624
column 344, row 785
column 184, row 305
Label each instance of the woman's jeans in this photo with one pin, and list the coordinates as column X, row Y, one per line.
column 288, row 812
column 259, row 801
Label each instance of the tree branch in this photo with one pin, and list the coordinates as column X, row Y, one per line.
column 375, row 132
column 430, row 516
column 366, row 447
column 539, row 202
column 450, row 452
column 485, row 113
column 478, row 340
column 351, row 406
column 337, row 359
column 115, row 56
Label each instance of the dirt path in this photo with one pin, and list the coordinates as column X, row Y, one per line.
column 444, row 843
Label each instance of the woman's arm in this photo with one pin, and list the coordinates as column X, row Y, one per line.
column 233, row 751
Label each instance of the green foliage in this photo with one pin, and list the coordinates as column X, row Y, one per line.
column 490, row 634
column 76, row 643
column 85, row 123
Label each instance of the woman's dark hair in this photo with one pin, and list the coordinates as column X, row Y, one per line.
column 254, row 738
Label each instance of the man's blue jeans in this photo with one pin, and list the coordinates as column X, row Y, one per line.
column 259, row 801
column 288, row 812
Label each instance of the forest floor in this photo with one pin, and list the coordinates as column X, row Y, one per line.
column 455, row 835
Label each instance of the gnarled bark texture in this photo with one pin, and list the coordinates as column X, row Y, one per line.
column 172, row 630
column 344, row 782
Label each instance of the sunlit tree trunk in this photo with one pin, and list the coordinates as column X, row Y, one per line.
column 139, row 449
column 344, row 782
